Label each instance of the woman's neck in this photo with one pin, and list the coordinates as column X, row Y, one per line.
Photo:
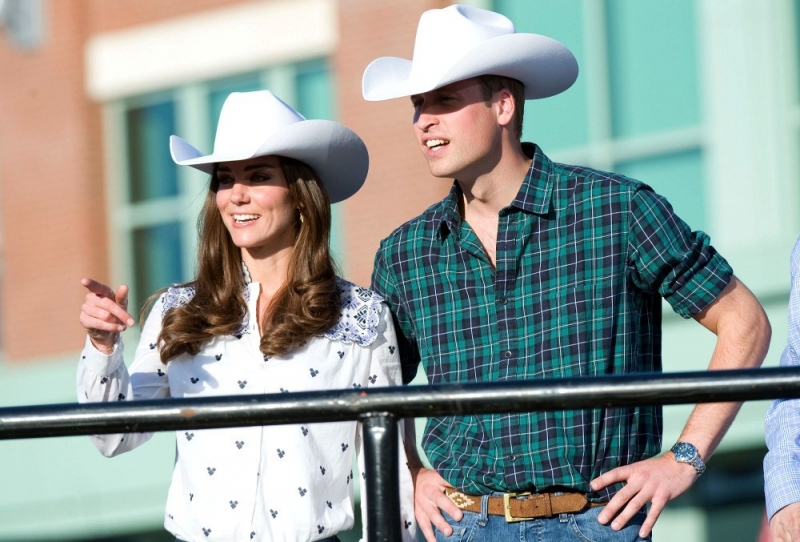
column 271, row 272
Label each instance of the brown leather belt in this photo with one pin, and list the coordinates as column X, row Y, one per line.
column 523, row 506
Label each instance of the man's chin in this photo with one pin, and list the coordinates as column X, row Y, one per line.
column 441, row 172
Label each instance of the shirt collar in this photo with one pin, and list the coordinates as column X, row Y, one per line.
column 533, row 196
column 449, row 219
column 246, row 274
column 537, row 188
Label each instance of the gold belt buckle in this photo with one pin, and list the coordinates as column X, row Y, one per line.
column 507, row 506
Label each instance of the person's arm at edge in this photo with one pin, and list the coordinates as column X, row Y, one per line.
column 782, row 427
column 782, row 470
column 743, row 334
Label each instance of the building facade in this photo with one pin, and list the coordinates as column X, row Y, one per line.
column 698, row 98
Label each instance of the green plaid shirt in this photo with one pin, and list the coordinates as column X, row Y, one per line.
column 583, row 260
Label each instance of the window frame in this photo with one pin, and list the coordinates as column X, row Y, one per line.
column 193, row 123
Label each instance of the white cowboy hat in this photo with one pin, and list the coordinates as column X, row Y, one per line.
column 259, row 124
column 459, row 42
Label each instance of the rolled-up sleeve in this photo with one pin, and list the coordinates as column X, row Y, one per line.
column 670, row 258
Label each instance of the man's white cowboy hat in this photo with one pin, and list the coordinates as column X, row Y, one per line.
column 459, row 42
column 259, row 124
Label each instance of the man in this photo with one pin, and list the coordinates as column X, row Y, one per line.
column 531, row 269
column 782, row 462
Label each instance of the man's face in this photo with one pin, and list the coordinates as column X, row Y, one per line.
column 458, row 133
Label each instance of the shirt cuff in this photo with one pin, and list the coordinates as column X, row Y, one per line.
column 703, row 289
column 100, row 363
column 781, row 487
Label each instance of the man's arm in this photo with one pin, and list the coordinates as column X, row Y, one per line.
column 743, row 334
column 782, row 465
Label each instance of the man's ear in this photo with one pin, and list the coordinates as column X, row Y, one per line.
column 505, row 106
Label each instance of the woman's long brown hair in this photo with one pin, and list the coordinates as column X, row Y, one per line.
column 306, row 306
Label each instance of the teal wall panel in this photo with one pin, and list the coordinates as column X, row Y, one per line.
column 316, row 97
column 561, row 121
column 63, row 488
column 652, row 50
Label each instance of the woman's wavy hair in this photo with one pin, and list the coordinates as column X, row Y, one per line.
column 306, row 306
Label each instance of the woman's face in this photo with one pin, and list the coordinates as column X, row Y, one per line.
column 254, row 202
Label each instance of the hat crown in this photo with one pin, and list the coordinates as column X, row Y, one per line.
column 445, row 35
column 248, row 119
column 461, row 42
column 259, row 123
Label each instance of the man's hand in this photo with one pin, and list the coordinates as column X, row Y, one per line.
column 429, row 498
column 657, row 480
column 785, row 524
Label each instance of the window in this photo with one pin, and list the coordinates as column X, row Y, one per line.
column 218, row 91
column 152, row 172
column 652, row 61
column 158, row 202
column 635, row 108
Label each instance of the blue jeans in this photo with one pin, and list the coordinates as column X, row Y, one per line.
column 580, row 527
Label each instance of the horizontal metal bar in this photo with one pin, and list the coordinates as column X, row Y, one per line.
column 402, row 402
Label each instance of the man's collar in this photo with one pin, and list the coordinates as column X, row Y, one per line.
column 533, row 196
column 449, row 218
column 537, row 188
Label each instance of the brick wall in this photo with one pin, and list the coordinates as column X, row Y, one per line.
column 399, row 185
column 52, row 199
column 52, row 191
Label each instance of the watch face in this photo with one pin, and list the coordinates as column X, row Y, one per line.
column 684, row 451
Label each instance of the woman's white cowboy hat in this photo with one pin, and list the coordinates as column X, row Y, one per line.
column 459, row 42
column 259, row 124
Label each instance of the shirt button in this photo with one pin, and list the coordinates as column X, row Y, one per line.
column 508, row 354
column 503, row 300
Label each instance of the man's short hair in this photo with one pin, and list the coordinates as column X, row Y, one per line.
column 493, row 83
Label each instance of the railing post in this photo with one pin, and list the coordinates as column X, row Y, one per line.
column 382, row 483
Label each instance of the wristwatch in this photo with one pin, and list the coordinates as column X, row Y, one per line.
column 685, row 452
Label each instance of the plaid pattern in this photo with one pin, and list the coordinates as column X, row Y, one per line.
column 583, row 258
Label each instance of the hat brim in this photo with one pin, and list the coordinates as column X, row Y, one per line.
column 543, row 65
column 335, row 153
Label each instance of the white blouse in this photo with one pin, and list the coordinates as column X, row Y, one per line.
column 264, row 483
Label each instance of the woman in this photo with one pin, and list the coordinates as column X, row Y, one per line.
column 265, row 314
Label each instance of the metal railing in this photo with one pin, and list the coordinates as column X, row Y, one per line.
column 380, row 408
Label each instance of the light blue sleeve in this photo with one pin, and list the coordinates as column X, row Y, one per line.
column 782, row 423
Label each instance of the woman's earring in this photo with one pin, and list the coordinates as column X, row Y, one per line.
column 301, row 218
